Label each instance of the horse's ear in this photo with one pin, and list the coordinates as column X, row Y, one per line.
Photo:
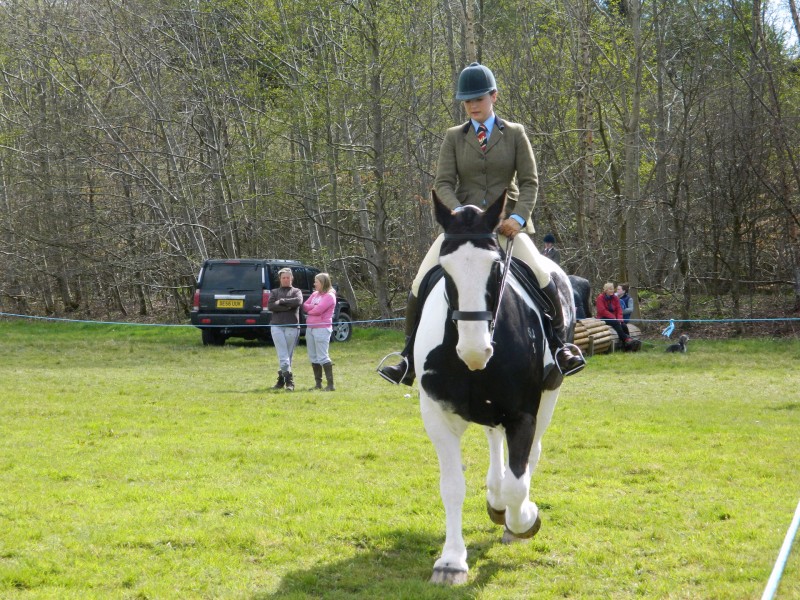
column 442, row 213
column 494, row 214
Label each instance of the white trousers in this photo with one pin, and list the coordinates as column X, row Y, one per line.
column 285, row 340
column 317, row 342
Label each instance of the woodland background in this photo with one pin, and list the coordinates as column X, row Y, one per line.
column 139, row 137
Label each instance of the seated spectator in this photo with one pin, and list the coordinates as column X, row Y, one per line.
column 610, row 311
column 625, row 301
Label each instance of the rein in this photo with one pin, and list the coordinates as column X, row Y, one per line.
column 506, row 269
column 483, row 315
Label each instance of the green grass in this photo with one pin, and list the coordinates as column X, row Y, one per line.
column 136, row 463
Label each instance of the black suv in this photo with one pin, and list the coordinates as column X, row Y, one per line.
column 232, row 295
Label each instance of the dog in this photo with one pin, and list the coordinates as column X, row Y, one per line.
column 680, row 346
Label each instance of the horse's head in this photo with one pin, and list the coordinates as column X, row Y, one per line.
column 470, row 257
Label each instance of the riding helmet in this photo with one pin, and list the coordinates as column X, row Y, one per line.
column 475, row 81
column 550, row 238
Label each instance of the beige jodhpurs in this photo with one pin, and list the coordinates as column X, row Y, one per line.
column 524, row 249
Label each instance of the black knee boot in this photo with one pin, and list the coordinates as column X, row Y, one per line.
column 317, row 367
column 403, row 372
column 328, row 367
column 568, row 362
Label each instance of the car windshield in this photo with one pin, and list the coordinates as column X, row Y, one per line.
column 230, row 276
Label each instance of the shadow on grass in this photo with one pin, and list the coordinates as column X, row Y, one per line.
column 398, row 565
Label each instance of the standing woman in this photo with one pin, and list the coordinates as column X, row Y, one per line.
column 550, row 250
column 284, row 303
column 319, row 324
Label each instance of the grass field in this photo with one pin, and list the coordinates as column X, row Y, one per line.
column 136, row 463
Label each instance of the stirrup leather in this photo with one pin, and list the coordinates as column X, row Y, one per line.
column 383, row 360
column 577, row 352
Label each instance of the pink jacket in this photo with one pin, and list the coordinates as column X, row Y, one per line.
column 319, row 310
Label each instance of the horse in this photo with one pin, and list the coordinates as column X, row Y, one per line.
column 484, row 359
column 581, row 292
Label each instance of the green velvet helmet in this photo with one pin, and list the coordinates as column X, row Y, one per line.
column 475, row 81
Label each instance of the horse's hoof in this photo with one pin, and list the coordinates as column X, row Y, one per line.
column 509, row 537
column 449, row 576
column 498, row 517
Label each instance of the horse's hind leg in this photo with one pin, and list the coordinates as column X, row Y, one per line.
column 445, row 431
column 495, row 505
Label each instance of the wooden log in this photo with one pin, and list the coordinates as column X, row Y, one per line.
column 601, row 345
column 635, row 332
column 593, row 336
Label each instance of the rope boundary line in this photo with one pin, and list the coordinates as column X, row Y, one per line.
column 367, row 321
column 777, row 571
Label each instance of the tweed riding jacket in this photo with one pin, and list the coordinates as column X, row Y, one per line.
column 467, row 175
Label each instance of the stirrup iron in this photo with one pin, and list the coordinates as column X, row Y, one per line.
column 383, row 360
column 577, row 352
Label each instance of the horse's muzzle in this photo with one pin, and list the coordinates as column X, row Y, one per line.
column 476, row 357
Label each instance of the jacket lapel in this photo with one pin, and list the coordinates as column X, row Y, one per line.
column 472, row 139
column 470, row 136
column 497, row 133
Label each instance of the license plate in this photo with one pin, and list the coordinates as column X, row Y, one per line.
column 230, row 303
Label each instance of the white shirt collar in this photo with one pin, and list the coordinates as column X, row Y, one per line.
column 489, row 125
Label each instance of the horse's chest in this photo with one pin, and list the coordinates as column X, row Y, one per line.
column 492, row 396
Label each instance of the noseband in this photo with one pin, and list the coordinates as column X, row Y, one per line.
column 482, row 315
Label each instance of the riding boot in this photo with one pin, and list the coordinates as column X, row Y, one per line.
column 403, row 372
column 317, row 376
column 568, row 362
column 281, row 382
column 329, row 377
column 289, row 379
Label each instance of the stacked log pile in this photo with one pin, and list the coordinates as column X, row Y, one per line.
column 593, row 336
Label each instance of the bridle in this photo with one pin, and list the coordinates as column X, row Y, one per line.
column 482, row 315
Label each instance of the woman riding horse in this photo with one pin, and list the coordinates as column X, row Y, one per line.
column 477, row 162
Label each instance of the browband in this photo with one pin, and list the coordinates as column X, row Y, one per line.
column 472, row 315
column 469, row 236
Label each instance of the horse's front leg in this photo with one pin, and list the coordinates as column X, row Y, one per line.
column 524, row 451
column 522, row 516
column 495, row 505
column 445, row 431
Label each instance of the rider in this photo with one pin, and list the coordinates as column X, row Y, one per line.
column 477, row 162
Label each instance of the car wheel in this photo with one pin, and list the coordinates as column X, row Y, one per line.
column 212, row 338
column 342, row 329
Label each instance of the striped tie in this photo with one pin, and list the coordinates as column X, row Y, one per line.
column 482, row 136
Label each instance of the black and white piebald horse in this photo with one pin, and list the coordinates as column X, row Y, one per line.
column 483, row 358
